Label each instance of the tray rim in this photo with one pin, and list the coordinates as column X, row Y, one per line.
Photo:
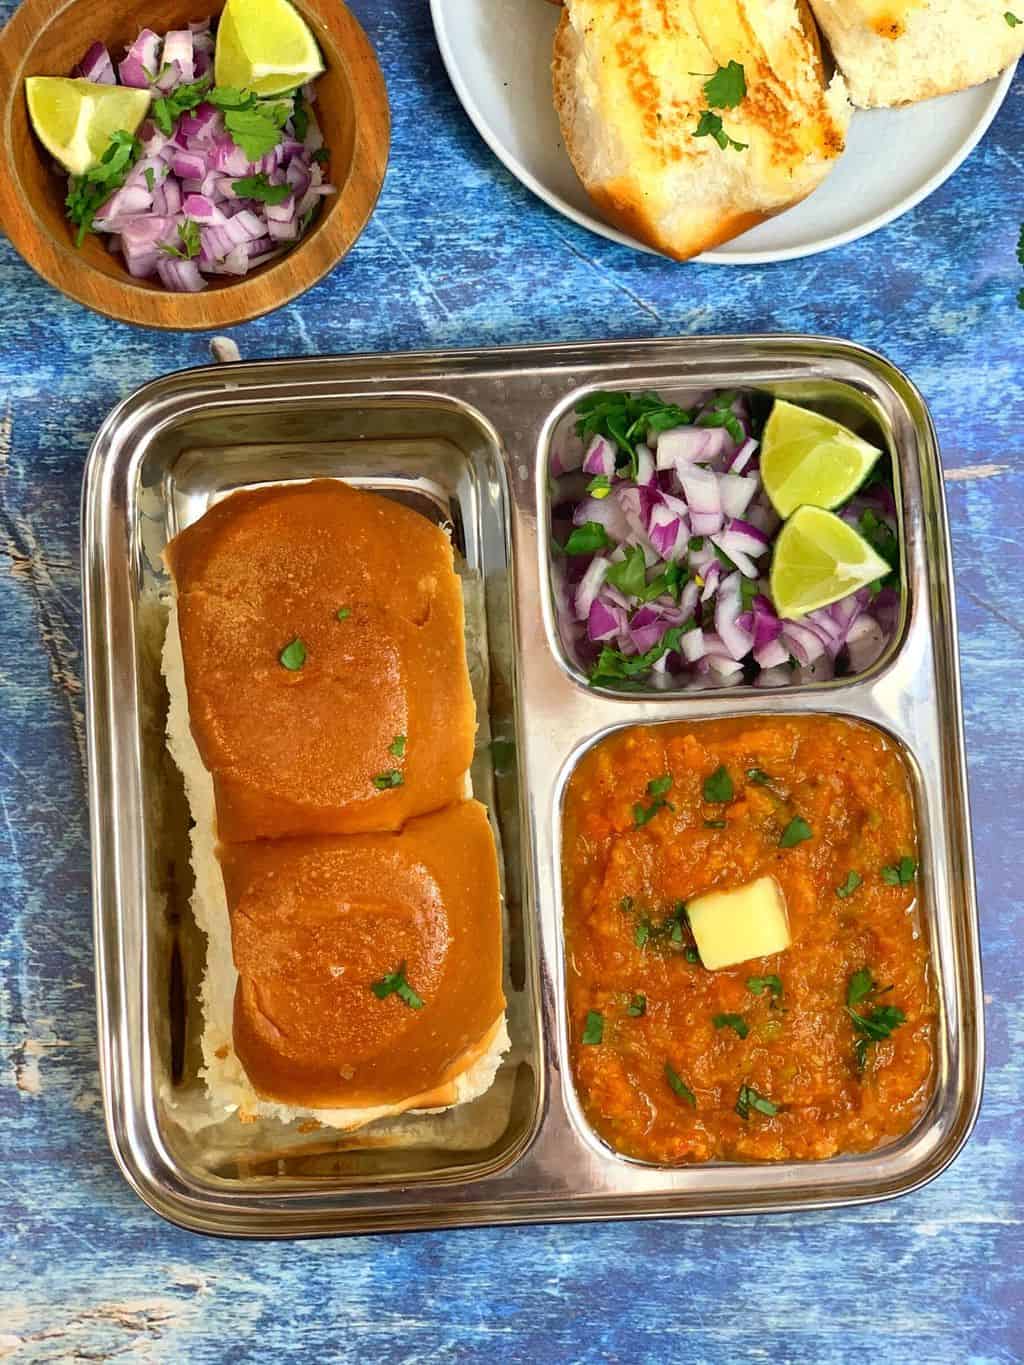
column 416, row 376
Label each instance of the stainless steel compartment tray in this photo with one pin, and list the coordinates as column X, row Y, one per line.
column 545, row 1164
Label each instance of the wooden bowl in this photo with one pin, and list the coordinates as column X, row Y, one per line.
column 49, row 37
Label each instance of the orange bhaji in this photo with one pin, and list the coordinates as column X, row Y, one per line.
column 825, row 1048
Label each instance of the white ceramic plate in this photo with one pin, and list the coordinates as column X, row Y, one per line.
column 498, row 55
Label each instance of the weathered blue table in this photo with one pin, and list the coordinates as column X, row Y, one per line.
column 459, row 254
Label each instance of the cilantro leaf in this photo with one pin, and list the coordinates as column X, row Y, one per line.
column 657, row 788
column 637, row 1006
column 166, row 110
column 1011, row 18
column 293, row 656
column 727, row 87
column 679, row 1085
column 254, row 130
column 87, row 193
column 641, row 933
column 343, row 613
column 758, row 776
column 796, row 832
column 587, row 539
column 259, row 187
column 853, row 880
column 718, row 787
column 757, row 985
column 612, row 665
column 630, row 574
column 734, row 1021
column 191, row 243
column 901, row 873
column 395, row 983
column 625, row 419
column 397, row 746
column 710, row 125
column 593, row 1029
column 749, row 1098
column 870, row 1027
column 391, row 778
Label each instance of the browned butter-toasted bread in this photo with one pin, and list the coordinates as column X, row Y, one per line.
column 629, row 78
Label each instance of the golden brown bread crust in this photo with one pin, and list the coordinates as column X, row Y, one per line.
column 315, row 922
column 628, row 79
column 297, row 752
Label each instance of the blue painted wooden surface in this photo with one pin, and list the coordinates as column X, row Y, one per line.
column 459, row 254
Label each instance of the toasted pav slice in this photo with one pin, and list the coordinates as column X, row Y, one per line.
column 899, row 51
column 629, row 85
column 369, row 966
column 322, row 648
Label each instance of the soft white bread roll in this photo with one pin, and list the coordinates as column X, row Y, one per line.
column 629, row 80
column 899, row 51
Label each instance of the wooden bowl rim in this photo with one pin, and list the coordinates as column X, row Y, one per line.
column 295, row 272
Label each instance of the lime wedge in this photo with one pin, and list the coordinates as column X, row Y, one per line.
column 264, row 46
column 74, row 119
column 807, row 459
column 819, row 559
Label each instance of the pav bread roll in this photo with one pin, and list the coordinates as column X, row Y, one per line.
column 353, row 926
column 899, row 51
column 374, row 722
column 629, row 87
column 369, row 966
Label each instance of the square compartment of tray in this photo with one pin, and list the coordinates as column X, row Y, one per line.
column 841, row 402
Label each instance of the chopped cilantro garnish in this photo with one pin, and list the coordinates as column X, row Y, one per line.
column 853, row 880
column 757, row 985
column 692, row 955
column 796, row 832
column 259, row 187
column 293, row 656
column 625, row 419
column 391, row 778
column 758, row 776
column 587, row 539
column 593, row 1029
column 343, row 613
column 727, row 87
column 630, row 574
column 614, row 667
column 871, row 1027
column 637, row 1006
column 695, row 543
column 679, row 1085
column 734, row 1021
column 749, row 1098
column 901, row 873
column 1011, row 18
column 397, row 746
column 191, row 243
column 257, row 130
column 656, row 788
column 641, row 933
column 718, row 787
column 395, row 983
column 87, row 193
column 166, row 110
column 715, row 824
column 710, row 125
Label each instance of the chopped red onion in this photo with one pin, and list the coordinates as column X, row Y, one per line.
column 97, row 66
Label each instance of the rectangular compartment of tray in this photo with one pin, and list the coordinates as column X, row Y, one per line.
column 503, row 405
column 885, row 1162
